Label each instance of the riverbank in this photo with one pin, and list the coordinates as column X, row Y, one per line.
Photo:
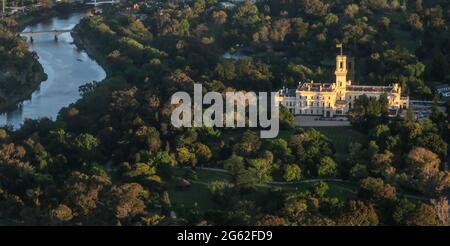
column 59, row 10
column 92, row 48
column 30, row 78
column 67, row 67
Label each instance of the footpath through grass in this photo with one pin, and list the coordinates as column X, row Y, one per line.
column 198, row 193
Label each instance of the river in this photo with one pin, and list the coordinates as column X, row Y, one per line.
column 67, row 69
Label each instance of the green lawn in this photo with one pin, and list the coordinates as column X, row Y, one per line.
column 198, row 193
column 404, row 38
column 341, row 137
column 337, row 189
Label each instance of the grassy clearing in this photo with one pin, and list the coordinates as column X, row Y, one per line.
column 401, row 37
column 198, row 193
column 404, row 38
column 341, row 137
column 337, row 189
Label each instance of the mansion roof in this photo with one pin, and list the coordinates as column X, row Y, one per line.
column 361, row 88
column 330, row 87
column 325, row 87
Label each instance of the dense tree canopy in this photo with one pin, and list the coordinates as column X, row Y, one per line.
column 114, row 158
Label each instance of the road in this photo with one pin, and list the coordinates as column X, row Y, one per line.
column 310, row 121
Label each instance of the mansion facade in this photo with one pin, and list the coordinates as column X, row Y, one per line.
column 336, row 99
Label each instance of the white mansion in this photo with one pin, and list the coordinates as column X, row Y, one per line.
column 336, row 99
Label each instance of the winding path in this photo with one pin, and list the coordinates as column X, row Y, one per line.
column 308, row 181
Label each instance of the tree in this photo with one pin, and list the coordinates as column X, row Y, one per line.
column 442, row 209
column 261, row 169
column 381, row 161
column 83, row 192
column 178, row 81
column 299, row 72
column 435, row 14
column 300, row 28
column 359, row 171
column 414, row 22
column 374, row 188
column 381, row 133
column 424, row 166
column 199, row 6
column 61, row 214
column 246, row 179
column 246, row 15
column 280, row 149
column 351, row 10
column 315, row 8
column 434, row 143
column 374, row 4
column 423, row 162
column 287, row 118
column 327, row 168
column 220, row 17
column 369, row 112
column 125, row 201
column 86, row 144
column 403, row 211
column 331, row 19
column 203, row 153
column 292, row 172
column 235, row 165
column 248, row 145
column 423, row 215
column 271, row 220
column 419, row 6
column 185, row 156
column 221, row 192
column 142, row 172
column 280, row 29
column 359, row 213
column 296, row 209
column 309, row 147
column 321, row 189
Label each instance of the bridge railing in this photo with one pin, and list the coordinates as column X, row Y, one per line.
column 27, row 33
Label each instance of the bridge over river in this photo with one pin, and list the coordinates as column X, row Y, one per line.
column 29, row 34
column 67, row 68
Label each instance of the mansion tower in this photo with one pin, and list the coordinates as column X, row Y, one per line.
column 336, row 99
